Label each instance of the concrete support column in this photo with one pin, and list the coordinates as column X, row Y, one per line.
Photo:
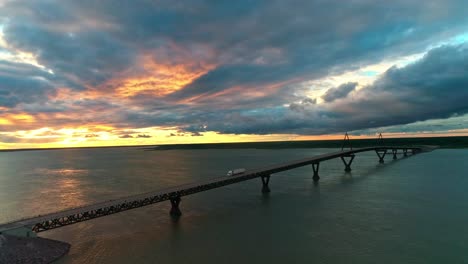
column 381, row 153
column 175, row 211
column 315, row 168
column 348, row 162
column 265, row 181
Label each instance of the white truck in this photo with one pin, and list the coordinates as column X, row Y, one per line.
column 235, row 172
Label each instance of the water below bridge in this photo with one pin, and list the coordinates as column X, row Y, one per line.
column 409, row 211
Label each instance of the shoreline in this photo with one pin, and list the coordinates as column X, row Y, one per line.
column 451, row 142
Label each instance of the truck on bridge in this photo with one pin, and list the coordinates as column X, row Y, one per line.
column 235, row 172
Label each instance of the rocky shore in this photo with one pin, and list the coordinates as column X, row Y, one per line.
column 14, row 249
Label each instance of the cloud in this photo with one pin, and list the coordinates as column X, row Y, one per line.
column 299, row 107
column 23, row 83
column 234, row 67
column 92, row 43
column 453, row 124
column 318, row 43
column 339, row 92
column 9, row 139
column 196, row 134
column 129, row 135
column 185, row 134
column 434, row 87
column 17, row 139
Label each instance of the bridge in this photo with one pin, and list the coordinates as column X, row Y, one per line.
column 71, row 216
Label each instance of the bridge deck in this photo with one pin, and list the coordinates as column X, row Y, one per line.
column 79, row 214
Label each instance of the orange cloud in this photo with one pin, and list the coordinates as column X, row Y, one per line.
column 155, row 73
column 161, row 78
column 65, row 94
column 15, row 119
column 249, row 92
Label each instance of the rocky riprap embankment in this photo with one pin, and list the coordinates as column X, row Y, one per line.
column 26, row 250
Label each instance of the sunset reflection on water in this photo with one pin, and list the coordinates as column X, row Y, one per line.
column 68, row 188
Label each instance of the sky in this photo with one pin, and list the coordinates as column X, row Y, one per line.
column 130, row 72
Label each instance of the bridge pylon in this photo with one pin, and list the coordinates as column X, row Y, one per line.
column 381, row 152
column 347, row 159
column 380, row 139
column 346, row 141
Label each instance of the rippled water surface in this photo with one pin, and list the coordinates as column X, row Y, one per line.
column 413, row 210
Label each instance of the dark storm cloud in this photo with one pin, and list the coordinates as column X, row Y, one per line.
column 339, row 92
column 434, row 87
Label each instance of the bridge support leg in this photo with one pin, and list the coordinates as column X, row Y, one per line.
column 405, row 152
column 315, row 167
column 394, row 151
column 347, row 163
column 265, row 181
column 175, row 211
column 381, row 153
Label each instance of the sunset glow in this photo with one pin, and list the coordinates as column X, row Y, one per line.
column 83, row 75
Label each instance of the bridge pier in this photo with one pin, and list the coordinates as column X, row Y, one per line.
column 381, row 153
column 315, row 167
column 265, row 181
column 175, row 211
column 347, row 163
column 405, row 152
column 394, row 151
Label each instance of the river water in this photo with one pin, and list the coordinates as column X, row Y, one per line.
column 413, row 210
